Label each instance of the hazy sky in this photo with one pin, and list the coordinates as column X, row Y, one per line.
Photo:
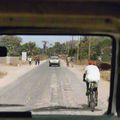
column 50, row 38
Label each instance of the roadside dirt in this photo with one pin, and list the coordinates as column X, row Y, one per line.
column 10, row 73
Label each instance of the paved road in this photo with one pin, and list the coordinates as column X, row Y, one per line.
column 47, row 86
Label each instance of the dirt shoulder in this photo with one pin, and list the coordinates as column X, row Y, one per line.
column 9, row 73
column 103, row 88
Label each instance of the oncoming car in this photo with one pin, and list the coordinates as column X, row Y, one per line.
column 54, row 60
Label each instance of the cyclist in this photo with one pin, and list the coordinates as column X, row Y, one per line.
column 92, row 74
column 72, row 61
column 67, row 60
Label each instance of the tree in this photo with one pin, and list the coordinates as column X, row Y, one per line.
column 99, row 46
column 12, row 43
column 57, row 48
column 105, row 48
column 31, row 48
column 72, row 51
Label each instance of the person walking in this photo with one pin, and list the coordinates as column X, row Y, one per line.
column 30, row 60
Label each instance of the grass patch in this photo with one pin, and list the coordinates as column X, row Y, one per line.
column 105, row 75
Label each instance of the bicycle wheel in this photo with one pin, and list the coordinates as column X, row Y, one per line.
column 92, row 102
column 96, row 98
column 89, row 100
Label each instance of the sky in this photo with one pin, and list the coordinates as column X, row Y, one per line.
column 50, row 38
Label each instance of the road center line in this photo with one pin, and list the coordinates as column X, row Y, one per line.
column 54, row 90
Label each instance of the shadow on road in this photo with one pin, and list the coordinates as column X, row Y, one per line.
column 83, row 107
column 86, row 108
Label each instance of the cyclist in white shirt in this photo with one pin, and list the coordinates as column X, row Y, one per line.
column 92, row 74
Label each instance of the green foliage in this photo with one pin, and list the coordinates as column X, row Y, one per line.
column 14, row 47
column 105, row 49
column 83, row 50
column 72, row 52
column 30, row 48
column 99, row 46
column 56, row 49
column 12, row 43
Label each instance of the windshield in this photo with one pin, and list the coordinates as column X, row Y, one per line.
column 29, row 81
column 54, row 57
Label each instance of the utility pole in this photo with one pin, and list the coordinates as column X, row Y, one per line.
column 72, row 47
column 44, row 46
column 51, row 51
column 89, row 49
column 66, row 50
column 72, row 42
column 78, row 48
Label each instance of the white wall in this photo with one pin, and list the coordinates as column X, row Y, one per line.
column 9, row 60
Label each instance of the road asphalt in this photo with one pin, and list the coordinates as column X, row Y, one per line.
column 47, row 87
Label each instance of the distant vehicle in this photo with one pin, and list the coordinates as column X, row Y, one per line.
column 54, row 60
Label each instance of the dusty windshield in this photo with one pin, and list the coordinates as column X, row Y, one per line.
column 31, row 81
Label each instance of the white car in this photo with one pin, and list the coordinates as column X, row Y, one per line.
column 54, row 60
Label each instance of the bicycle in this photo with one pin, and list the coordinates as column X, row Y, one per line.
column 92, row 99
